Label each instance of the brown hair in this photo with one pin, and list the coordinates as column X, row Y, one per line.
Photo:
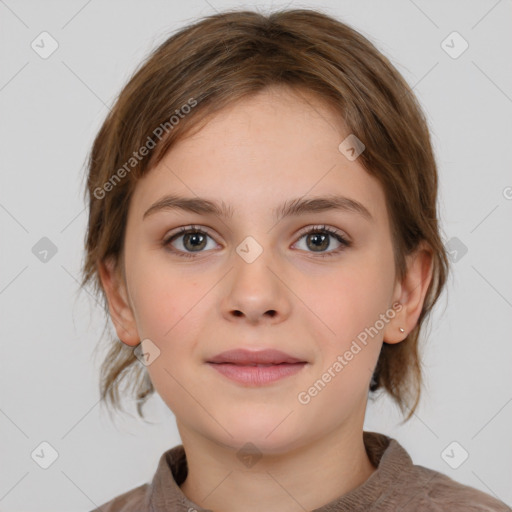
column 230, row 56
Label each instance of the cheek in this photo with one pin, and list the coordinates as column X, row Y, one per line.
column 165, row 299
column 349, row 304
column 170, row 306
column 169, row 313
column 350, row 299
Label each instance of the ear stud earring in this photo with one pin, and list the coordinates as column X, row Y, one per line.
column 402, row 329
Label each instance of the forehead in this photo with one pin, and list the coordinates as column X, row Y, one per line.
column 261, row 150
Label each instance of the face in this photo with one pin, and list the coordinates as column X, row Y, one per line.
column 257, row 280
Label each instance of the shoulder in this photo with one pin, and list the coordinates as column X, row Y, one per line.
column 161, row 492
column 399, row 484
column 432, row 491
column 131, row 501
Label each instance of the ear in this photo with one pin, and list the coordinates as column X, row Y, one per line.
column 410, row 293
column 119, row 307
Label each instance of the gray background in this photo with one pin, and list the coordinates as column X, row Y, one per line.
column 50, row 111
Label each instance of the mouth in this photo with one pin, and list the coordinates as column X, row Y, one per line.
column 256, row 368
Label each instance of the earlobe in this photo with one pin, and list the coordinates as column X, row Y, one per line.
column 411, row 293
column 117, row 298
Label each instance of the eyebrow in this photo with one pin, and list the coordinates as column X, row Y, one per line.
column 298, row 206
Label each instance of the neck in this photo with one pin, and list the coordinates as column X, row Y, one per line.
column 305, row 478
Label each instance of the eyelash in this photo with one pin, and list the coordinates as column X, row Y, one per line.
column 315, row 229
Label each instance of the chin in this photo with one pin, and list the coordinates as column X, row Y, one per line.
column 267, row 433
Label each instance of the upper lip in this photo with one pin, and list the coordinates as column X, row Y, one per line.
column 246, row 357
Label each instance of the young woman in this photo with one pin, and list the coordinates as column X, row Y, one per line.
column 263, row 229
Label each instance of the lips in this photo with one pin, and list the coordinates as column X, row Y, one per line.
column 256, row 368
column 243, row 357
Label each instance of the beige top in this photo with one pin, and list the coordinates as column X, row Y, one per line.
column 396, row 485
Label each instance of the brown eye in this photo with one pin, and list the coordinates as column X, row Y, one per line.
column 194, row 241
column 187, row 241
column 319, row 239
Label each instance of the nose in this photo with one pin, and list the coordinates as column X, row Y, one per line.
column 256, row 293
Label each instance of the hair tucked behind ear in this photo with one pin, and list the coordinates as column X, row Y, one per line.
column 230, row 56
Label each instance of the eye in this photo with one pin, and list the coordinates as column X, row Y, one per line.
column 318, row 238
column 190, row 240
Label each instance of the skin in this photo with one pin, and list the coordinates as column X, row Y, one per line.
column 254, row 155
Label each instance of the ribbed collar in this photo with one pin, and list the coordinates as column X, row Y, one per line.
column 384, row 453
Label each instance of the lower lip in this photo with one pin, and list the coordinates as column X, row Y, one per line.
column 257, row 375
